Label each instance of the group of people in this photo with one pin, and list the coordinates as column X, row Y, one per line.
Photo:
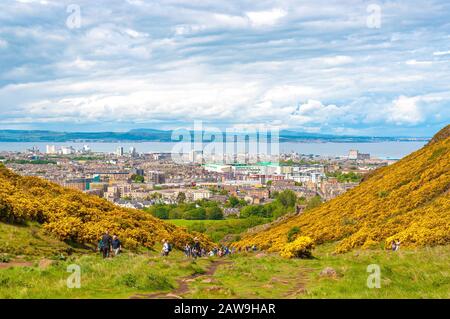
column 250, row 248
column 109, row 246
column 195, row 250
column 395, row 245
column 112, row 246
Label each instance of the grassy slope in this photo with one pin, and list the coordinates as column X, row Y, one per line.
column 421, row 273
column 29, row 240
column 408, row 200
column 120, row 277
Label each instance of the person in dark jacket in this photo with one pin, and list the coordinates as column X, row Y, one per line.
column 196, row 249
column 106, row 243
column 116, row 245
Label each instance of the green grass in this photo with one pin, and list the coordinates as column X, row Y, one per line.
column 421, row 273
column 30, row 241
column 221, row 230
column 120, row 277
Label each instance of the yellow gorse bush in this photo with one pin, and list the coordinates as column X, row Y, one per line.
column 71, row 215
column 300, row 248
column 407, row 201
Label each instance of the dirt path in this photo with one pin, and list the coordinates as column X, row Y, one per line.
column 183, row 284
column 15, row 264
column 300, row 286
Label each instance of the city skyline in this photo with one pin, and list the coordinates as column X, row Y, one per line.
column 355, row 67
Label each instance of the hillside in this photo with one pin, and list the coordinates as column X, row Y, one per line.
column 74, row 217
column 407, row 201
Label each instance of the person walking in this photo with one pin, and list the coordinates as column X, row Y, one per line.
column 166, row 248
column 196, row 251
column 116, row 245
column 187, row 250
column 106, row 242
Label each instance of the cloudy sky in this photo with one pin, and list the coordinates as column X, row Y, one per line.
column 343, row 67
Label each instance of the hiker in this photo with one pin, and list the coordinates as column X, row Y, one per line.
column 188, row 250
column 196, row 251
column 100, row 246
column 166, row 248
column 397, row 245
column 116, row 245
column 106, row 244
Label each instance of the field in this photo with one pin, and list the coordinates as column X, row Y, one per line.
column 421, row 273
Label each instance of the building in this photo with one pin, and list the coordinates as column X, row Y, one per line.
column 67, row 150
column 79, row 184
column 257, row 192
column 356, row 155
column 51, row 149
column 138, row 171
column 119, row 151
column 217, row 168
column 156, row 177
column 199, row 194
column 196, row 157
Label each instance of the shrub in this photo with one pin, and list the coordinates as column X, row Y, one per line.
column 300, row 248
column 79, row 218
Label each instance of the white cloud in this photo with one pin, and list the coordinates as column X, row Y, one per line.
column 419, row 63
column 221, row 61
column 265, row 18
column 417, row 109
column 335, row 60
column 405, row 110
column 439, row 53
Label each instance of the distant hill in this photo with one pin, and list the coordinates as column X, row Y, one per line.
column 407, row 201
column 74, row 217
column 152, row 135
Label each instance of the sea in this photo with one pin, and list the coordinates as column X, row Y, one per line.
column 382, row 150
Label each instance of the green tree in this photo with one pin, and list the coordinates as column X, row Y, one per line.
column 181, row 198
column 254, row 210
column 233, row 201
column 160, row 211
column 287, row 198
column 197, row 213
column 214, row 212
column 314, row 202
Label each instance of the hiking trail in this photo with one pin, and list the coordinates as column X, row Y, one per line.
column 183, row 284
